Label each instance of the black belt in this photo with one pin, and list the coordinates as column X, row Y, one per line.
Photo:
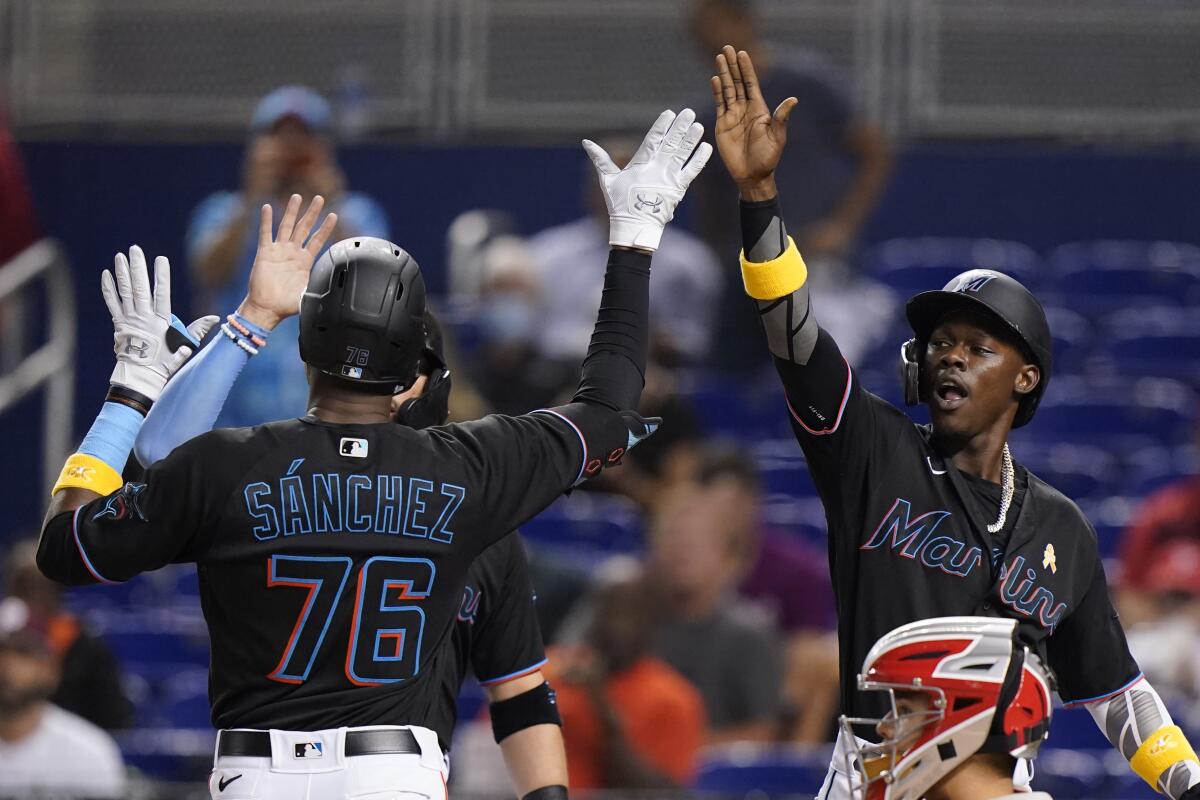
column 358, row 743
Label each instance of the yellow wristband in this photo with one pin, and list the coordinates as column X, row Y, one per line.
column 88, row 472
column 1164, row 748
column 778, row 277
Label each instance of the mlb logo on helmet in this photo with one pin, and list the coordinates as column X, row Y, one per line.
column 309, row 750
column 355, row 448
column 351, row 372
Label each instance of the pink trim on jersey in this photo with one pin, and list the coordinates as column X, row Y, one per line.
column 1077, row 703
column 512, row 676
column 87, row 562
column 841, row 409
column 579, row 433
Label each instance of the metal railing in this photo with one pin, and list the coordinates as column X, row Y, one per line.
column 1094, row 69
column 51, row 365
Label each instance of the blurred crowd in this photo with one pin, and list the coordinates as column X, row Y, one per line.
column 720, row 627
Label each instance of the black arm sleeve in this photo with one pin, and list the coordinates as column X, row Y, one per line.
column 506, row 641
column 140, row 527
column 615, row 367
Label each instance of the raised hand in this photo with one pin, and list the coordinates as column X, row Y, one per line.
column 642, row 197
column 283, row 261
column 150, row 342
column 749, row 137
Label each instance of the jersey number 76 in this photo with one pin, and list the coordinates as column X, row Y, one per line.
column 385, row 631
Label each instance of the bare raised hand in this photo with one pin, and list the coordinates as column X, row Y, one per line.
column 283, row 261
column 749, row 137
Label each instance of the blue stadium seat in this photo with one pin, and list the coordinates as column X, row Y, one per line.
column 589, row 520
column 1104, row 276
column 749, row 770
column 739, row 411
column 1118, row 414
column 1076, row 470
column 782, row 468
column 1073, row 336
column 1066, row 774
column 920, row 264
column 154, row 637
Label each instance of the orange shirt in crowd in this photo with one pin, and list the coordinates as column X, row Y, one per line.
column 663, row 717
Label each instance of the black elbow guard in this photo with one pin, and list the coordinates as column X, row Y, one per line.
column 538, row 706
column 555, row 792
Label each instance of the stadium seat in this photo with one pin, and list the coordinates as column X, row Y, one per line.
column 782, row 468
column 1071, row 773
column 1107, row 276
column 1076, row 470
column 592, row 521
column 920, row 264
column 1073, row 339
column 747, row 770
column 1117, row 413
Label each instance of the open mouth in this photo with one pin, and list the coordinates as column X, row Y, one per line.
column 950, row 393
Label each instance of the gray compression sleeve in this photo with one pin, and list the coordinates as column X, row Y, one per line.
column 787, row 321
column 1132, row 717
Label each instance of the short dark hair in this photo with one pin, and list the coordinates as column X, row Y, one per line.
column 728, row 462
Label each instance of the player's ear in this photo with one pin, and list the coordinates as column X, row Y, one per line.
column 1027, row 379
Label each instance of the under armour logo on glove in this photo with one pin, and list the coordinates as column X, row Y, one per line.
column 649, row 202
column 642, row 197
column 640, row 428
column 150, row 342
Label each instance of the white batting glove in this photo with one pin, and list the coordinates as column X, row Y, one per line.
column 150, row 342
column 642, row 197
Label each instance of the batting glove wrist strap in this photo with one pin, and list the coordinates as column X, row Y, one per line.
column 150, row 343
column 642, row 197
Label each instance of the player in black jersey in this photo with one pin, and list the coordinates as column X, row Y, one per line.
column 931, row 521
column 333, row 549
column 496, row 635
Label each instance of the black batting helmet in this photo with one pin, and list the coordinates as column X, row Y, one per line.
column 997, row 295
column 361, row 316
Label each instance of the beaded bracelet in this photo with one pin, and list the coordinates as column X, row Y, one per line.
column 239, row 332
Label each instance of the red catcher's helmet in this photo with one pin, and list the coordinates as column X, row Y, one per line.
column 958, row 686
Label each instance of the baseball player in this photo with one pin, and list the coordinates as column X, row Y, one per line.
column 496, row 634
column 333, row 549
column 952, row 686
column 928, row 521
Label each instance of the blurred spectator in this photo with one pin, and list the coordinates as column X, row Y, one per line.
column 572, row 258
column 559, row 585
column 16, row 209
column 89, row 678
column 790, row 579
column 727, row 649
column 507, row 368
column 289, row 152
column 1172, row 514
column 831, row 178
column 45, row 751
column 629, row 720
column 667, row 458
column 1165, row 639
column 18, row 230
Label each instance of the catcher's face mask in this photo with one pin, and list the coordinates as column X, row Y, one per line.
column 915, row 715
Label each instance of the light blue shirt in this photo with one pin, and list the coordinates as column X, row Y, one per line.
column 273, row 385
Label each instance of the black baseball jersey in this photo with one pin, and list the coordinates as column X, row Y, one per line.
column 332, row 558
column 496, row 634
column 908, row 539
